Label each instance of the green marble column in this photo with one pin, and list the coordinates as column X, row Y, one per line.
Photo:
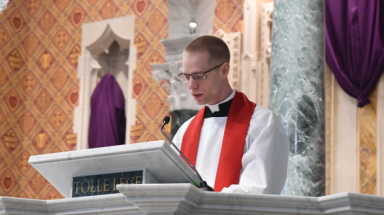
column 297, row 90
column 179, row 117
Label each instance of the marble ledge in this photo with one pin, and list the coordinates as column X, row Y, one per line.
column 187, row 199
column 104, row 204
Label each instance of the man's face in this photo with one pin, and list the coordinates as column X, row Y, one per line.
column 208, row 90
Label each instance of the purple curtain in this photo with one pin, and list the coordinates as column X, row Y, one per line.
column 354, row 45
column 107, row 123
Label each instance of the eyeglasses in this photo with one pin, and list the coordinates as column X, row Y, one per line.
column 196, row 76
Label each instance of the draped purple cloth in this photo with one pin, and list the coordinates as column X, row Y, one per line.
column 107, row 124
column 354, row 45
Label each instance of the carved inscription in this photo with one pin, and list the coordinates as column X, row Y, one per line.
column 104, row 184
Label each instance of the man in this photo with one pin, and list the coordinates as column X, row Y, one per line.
column 236, row 145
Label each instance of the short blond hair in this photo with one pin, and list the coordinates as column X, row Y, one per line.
column 215, row 47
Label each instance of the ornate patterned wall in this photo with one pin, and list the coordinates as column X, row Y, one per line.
column 39, row 45
column 228, row 16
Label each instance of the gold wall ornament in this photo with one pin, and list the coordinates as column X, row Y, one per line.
column 59, row 78
column 136, row 130
column 16, row 21
column 10, row 139
column 153, row 105
column 22, row 162
column 15, row 61
column 29, row 82
column 45, row 60
column 77, row 16
column 41, row 140
column 57, row 118
column 137, row 89
column 74, row 55
column 140, row 44
column 31, row 43
column 61, row 38
column 43, row 100
column 156, row 22
column 47, row 22
column 109, row 10
column 12, row 99
column 8, row 181
column 140, row 7
column 27, row 122
column 72, row 96
column 71, row 139
column 32, row 6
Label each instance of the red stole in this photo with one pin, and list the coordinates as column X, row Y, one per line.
column 236, row 128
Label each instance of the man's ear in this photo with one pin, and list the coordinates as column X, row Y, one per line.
column 225, row 69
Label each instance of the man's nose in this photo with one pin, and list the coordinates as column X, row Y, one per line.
column 192, row 84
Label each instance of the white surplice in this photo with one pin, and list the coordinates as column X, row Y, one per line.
column 265, row 158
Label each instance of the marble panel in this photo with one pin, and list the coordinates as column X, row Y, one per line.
column 368, row 145
column 178, row 18
column 157, row 157
column 105, row 204
column 330, row 101
column 346, row 146
column 297, row 90
column 186, row 199
column 204, row 17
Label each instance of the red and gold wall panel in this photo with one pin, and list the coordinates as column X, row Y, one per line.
column 39, row 89
column 228, row 16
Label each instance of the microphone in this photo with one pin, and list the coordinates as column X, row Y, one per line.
column 203, row 185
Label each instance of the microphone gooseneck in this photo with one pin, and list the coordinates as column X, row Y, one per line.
column 203, row 185
column 166, row 121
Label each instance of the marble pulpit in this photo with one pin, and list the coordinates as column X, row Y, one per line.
column 187, row 199
column 167, row 191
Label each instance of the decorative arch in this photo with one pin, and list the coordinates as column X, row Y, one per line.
column 97, row 39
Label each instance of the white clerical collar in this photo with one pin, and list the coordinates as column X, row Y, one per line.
column 215, row 107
